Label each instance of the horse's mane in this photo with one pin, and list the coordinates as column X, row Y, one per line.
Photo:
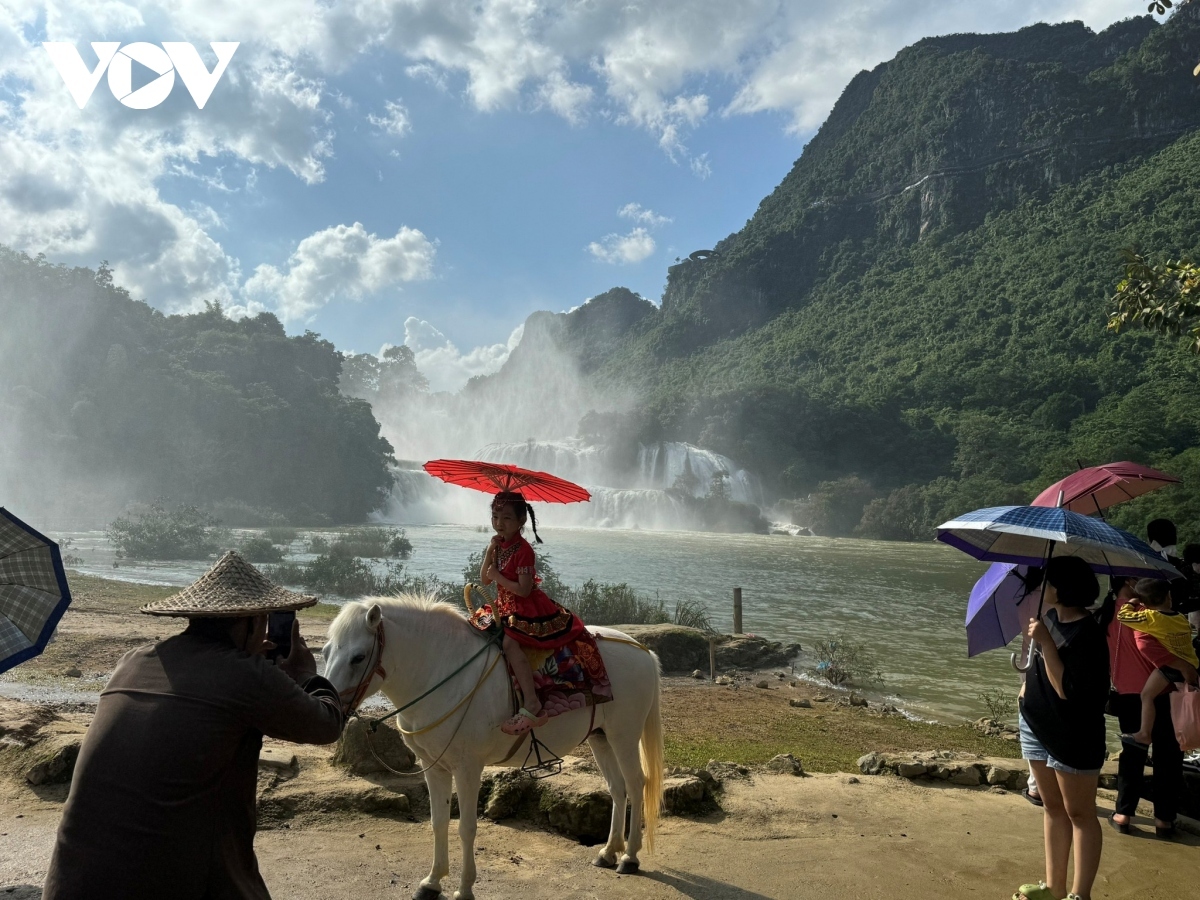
column 416, row 602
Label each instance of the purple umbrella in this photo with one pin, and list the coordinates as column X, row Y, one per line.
column 1000, row 607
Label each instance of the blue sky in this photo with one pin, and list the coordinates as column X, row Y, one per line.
column 432, row 171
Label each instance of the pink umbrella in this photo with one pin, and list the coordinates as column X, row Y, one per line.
column 1099, row 487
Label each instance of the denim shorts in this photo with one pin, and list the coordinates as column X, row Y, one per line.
column 1032, row 749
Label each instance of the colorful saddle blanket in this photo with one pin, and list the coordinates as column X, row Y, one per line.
column 570, row 677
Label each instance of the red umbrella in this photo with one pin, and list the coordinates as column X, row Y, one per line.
column 495, row 478
column 1099, row 487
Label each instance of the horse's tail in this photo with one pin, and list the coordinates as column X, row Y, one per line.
column 652, row 760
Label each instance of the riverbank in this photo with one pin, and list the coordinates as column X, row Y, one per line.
column 835, row 834
column 737, row 721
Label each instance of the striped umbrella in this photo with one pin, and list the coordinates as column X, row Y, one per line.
column 33, row 591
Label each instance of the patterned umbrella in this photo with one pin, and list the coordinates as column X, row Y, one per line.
column 33, row 591
column 1029, row 535
column 496, row 478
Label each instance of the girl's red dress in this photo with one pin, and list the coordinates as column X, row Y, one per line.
column 536, row 620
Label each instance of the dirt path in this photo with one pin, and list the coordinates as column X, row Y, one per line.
column 779, row 837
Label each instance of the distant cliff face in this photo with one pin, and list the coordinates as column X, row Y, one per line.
column 917, row 312
column 929, row 144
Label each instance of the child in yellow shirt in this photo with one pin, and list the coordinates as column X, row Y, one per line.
column 1165, row 639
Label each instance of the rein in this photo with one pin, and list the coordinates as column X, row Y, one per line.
column 361, row 690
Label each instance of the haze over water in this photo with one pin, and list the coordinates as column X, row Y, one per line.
column 904, row 601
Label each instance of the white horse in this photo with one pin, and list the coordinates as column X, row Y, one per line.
column 409, row 645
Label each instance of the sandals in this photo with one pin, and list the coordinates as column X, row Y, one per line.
column 1032, row 797
column 1037, row 891
column 1123, row 827
column 524, row 722
column 1167, row 833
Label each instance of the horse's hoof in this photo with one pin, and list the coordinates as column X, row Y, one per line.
column 427, row 893
column 464, row 895
column 628, row 867
column 603, row 862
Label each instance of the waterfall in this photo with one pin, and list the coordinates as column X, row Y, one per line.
column 630, row 495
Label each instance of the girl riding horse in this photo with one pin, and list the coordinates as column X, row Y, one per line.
column 529, row 617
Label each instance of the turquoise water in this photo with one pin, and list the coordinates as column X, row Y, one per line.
column 906, row 602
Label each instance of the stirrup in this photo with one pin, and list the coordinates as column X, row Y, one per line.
column 545, row 762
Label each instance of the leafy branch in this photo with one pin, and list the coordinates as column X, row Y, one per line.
column 1162, row 297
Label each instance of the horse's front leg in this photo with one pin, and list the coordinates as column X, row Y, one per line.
column 440, row 786
column 466, row 782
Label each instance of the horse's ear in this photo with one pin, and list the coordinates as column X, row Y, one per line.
column 374, row 617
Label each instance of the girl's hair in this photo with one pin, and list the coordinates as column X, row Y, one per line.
column 520, row 506
column 1153, row 591
column 1073, row 581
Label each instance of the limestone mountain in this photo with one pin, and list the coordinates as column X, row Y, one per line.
column 916, row 313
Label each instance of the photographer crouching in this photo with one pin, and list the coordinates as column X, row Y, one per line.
column 162, row 803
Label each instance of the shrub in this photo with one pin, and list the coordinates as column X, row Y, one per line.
column 159, row 533
column 318, row 544
column 692, row 614
column 260, row 550
column 1000, row 704
column 344, row 576
column 373, row 543
column 841, row 660
column 282, row 535
column 600, row 603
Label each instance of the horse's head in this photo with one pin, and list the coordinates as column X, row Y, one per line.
column 353, row 653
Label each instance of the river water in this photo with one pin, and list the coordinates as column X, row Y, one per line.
column 905, row 602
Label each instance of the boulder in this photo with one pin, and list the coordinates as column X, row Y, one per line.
column 998, row 775
column 872, row 763
column 911, row 769
column 687, row 795
column 679, row 649
column 858, row 700
column 354, row 798
column 800, row 703
column 784, row 764
column 762, row 684
column 52, row 760
column 354, row 749
column 967, row 775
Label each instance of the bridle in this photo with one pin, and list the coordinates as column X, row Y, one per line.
column 360, row 690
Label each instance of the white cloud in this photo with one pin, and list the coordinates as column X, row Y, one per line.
column 343, row 262
column 447, row 367
column 87, row 185
column 643, row 216
column 394, row 121
column 623, row 249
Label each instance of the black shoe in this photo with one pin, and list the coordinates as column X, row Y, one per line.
column 1122, row 827
column 1167, row 833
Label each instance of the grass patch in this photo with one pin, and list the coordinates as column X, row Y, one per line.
column 321, row 612
column 93, row 594
column 750, row 726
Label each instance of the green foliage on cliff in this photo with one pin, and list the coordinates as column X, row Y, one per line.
column 913, row 323
column 105, row 400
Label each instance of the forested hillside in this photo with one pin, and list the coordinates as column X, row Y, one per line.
column 914, row 321
column 104, row 401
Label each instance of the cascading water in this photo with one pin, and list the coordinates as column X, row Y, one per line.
column 630, row 495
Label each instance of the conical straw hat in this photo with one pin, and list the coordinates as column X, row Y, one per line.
column 232, row 587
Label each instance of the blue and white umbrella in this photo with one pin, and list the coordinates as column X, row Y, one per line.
column 1029, row 535
column 33, row 591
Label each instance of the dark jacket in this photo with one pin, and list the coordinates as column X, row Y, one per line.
column 162, row 802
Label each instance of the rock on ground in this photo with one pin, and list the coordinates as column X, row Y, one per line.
column 354, row 749
column 682, row 650
column 966, row 769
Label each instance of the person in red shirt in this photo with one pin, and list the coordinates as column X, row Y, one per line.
column 529, row 617
column 1132, row 662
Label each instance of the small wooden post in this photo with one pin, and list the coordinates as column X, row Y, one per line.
column 712, row 659
column 737, row 611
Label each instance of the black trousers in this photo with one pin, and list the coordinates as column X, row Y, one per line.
column 1168, row 759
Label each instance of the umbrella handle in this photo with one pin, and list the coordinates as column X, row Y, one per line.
column 1025, row 654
